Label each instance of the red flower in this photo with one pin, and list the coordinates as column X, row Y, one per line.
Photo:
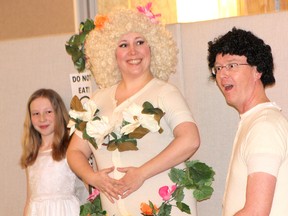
column 166, row 193
column 147, row 11
column 93, row 195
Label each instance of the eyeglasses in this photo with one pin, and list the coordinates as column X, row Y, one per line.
column 229, row 67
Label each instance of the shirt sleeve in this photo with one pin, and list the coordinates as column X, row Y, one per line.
column 265, row 148
column 175, row 107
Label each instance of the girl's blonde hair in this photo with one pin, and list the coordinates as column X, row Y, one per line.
column 31, row 139
column 101, row 44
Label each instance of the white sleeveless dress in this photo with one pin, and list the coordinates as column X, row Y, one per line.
column 52, row 187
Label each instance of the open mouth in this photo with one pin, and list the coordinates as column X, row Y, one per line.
column 134, row 61
column 228, row 87
column 44, row 126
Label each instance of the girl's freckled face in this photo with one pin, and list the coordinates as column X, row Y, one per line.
column 42, row 116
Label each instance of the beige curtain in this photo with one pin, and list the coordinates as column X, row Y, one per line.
column 226, row 8
column 248, row 7
column 167, row 8
column 229, row 8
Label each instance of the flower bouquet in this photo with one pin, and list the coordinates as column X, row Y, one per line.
column 196, row 177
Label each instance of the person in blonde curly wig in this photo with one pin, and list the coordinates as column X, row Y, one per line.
column 101, row 44
column 132, row 57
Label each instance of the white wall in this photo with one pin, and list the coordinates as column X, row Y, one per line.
column 26, row 65
column 218, row 122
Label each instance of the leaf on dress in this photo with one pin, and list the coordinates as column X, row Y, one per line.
column 76, row 104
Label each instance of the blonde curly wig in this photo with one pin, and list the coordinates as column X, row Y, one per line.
column 101, row 44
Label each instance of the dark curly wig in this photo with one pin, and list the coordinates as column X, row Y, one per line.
column 244, row 43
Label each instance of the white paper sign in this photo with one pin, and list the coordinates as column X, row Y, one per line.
column 81, row 85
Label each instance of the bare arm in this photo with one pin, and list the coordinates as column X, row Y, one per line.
column 25, row 213
column 259, row 194
column 183, row 146
column 77, row 156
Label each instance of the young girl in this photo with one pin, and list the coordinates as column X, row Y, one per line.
column 50, row 182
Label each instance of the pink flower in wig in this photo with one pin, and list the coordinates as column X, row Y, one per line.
column 147, row 11
column 93, row 195
column 165, row 192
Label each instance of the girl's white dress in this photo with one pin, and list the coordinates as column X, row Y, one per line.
column 52, row 187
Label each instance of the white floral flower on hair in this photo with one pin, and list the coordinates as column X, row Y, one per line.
column 148, row 12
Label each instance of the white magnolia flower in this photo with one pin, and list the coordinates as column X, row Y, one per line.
column 90, row 107
column 134, row 116
column 98, row 129
column 129, row 128
column 116, row 131
column 71, row 125
column 148, row 121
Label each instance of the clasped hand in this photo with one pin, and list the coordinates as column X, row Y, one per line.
column 114, row 189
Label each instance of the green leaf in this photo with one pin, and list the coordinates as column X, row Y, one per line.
column 196, row 176
column 165, row 210
column 126, row 146
column 77, row 56
column 82, row 38
column 203, row 193
column 81, row 126
column 183, row 207
column 80, row 64
column 176, row 175
column 90, row 139
column 85, row 209
column 200, row 172
column 72, row 39
column 139, row 132
column 111, row 146
column 92, row 208
column 148, row 108
column 76, row 40
column 70, row 49
column 178, row 194
column 97, row 204
column 88, row 25
column 154, row 210
column 75, row 45
column 113, row 135
column 76, row 104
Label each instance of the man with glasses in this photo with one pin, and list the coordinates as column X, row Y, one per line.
column 257, row 179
